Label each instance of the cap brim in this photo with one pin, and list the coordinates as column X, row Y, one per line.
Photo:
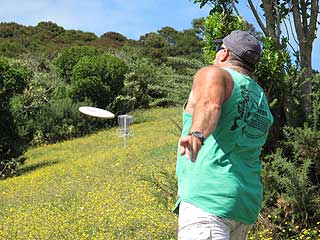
column 217, row 41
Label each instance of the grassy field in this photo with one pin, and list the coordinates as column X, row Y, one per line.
column 90, row 188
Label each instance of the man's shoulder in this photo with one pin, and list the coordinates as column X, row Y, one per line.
column 212, row 69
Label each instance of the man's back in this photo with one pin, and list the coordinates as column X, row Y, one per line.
column 225, row 125
column 225, row 179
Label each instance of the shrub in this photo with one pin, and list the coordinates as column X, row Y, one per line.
column 147, row 84
column 314, row 118
column 69, row 57
column 45, row 113
column 12, row 146
column 164, row 188
column 13, row 79
column 60, row 119
column 10, row 48
column 99, row 79
column 291, row 178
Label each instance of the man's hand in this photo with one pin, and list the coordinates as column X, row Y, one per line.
column 190, row 145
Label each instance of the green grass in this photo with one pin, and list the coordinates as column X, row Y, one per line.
column 89, row 188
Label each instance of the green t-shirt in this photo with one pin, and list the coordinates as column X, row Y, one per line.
column 225, row 179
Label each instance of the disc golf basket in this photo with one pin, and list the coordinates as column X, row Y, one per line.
column 124, row 130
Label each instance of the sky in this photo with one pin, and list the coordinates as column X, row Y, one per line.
column 131, row 18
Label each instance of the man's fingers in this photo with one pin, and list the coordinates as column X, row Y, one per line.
column 195, row 152
column 195, row 147
column 185, row 147
column 190, row 147
column 182, row 150
column 186, row 150
column 189, row 152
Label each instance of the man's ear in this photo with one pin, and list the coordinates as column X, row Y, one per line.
column 224, row 55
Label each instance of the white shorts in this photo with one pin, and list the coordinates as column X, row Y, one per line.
column 196, row 224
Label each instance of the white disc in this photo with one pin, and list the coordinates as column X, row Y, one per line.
column 96, row 112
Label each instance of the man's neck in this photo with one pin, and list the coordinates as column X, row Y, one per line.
column 240, row 70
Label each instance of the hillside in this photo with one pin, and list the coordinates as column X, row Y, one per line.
column 47, row 38
column 89, row 188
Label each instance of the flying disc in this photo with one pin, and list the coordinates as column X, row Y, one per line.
column 96, row 112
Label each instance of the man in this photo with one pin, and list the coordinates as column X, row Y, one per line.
column 225, row 124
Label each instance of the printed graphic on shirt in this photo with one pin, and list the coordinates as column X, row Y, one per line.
column 253, row 110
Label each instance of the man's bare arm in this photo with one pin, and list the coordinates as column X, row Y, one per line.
column 209, row 92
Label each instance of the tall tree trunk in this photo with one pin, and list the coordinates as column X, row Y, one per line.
column 305, row 31
column 305, row 55
column 272, row 23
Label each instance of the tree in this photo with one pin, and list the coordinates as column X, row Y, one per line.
column 304, row 14
column 218, row 5
column 48, row 30
column 69, row 57
column 46, row 39
column 188, row 44
column 198, row 26
column 13, row 79
column 10, row 30
column 217, row 26
column 155, row 46
column 98, row 78
column 168, row 42
column 111, row 40
column 277, row 15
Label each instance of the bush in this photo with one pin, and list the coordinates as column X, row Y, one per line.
column 12, row 146
column 314, row 118
column 45, row 113
column 10, row 48
column 163, row 186
column 291, row 179
column 99, row 79
column 13, row 79
column 69, row 57
column 147, row 84
column 60, row 119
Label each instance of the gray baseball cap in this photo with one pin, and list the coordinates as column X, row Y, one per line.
column 243, row 45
